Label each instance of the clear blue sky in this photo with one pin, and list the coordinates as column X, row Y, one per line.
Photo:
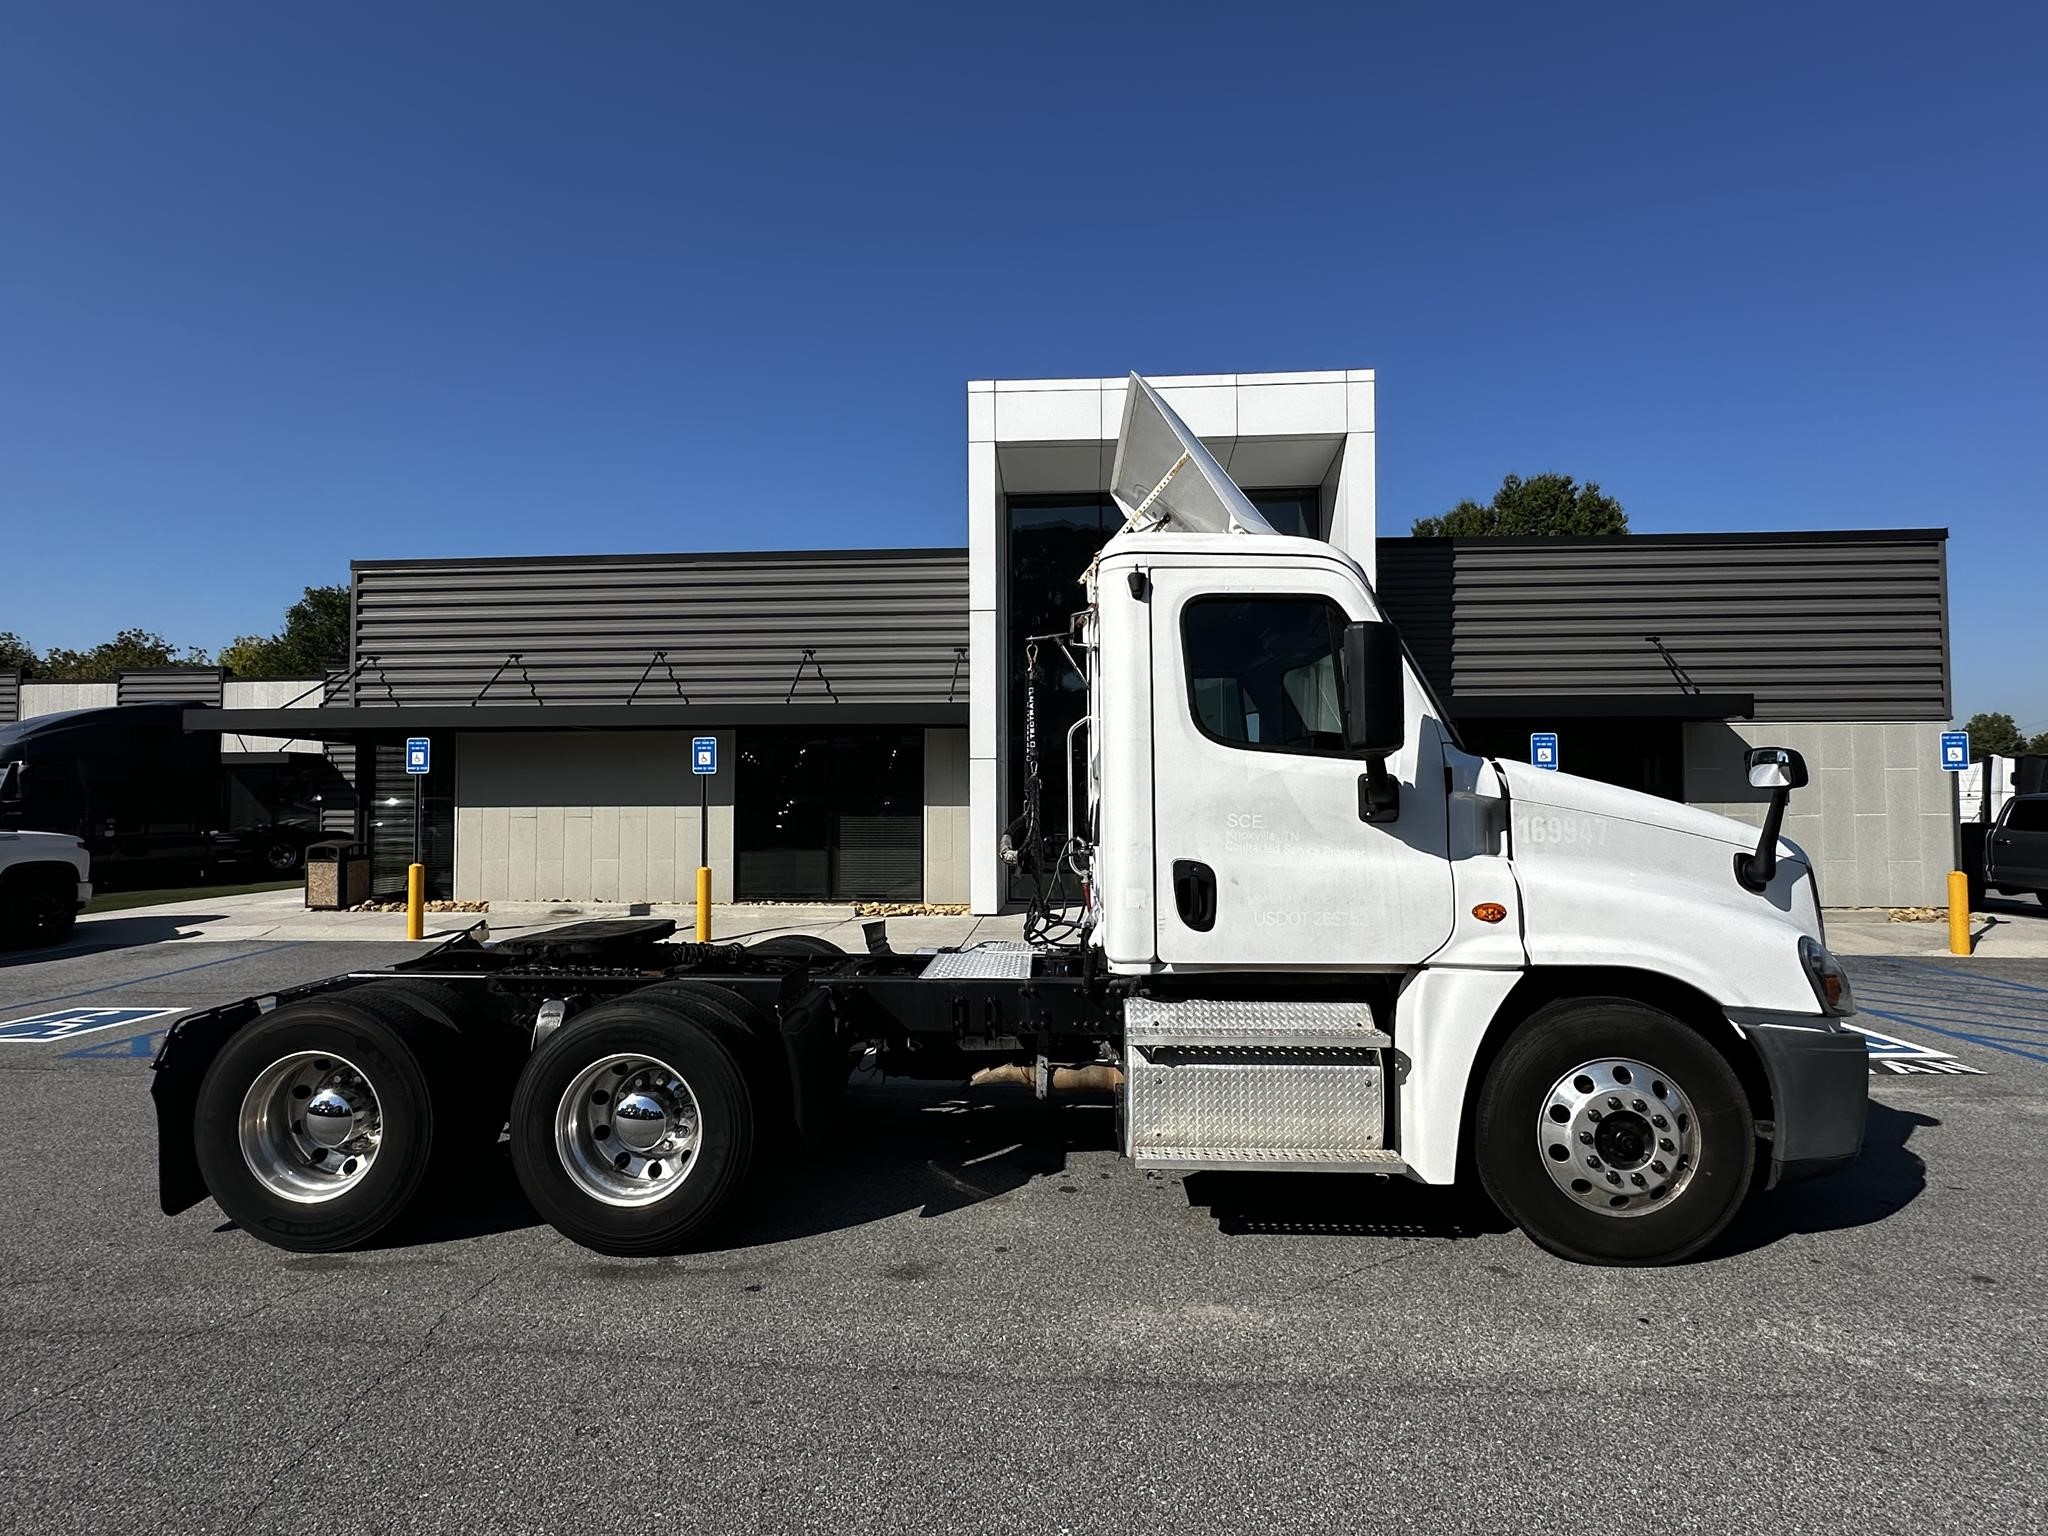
column 285, row 284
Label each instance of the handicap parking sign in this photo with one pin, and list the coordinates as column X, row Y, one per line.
column 418, row 753
column 704, row 754
column 1543, row 749
column 1955, row 750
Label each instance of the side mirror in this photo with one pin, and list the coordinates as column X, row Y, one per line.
column 1776, row 768
column 10, row 793
column 1375, row 713
column 1375, row 698
column 1780, row 770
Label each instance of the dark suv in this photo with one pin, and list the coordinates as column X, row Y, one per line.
column 2016, row 852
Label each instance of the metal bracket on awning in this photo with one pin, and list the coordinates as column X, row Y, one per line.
column 660, row 658
column 524, row 676
column 959, row 659
column 328, row 687
column 810, row 657
column 1678, row 673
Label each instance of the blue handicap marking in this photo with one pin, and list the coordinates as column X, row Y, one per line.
column 1955, row 750
column 418, row 754
column 1543, row 749
column 704, row 754
column 63, row 1023
column 131, row 1048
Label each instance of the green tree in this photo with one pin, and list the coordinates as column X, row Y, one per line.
column 16, row 652
column 314, row 638
column 130, row 649
column 1994, row 735
column 2039, row 744
column 1542, row 504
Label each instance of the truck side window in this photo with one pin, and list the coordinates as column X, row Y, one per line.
column 2028, row 816
column 1262, row 671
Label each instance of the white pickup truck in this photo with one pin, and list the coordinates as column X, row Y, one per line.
column 45, row 879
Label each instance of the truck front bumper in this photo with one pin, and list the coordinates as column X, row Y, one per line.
column 1819, row 1074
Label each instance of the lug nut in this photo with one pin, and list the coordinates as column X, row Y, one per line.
column 1593, row 1114
column 1659, row 1121
column 1658, row 1168
column 1637, row 1104
column 1613, row 1178
column 1592, row 1162
column 1614, row 1101
column 1636, row 1179
column 1585, row 1138
column 1666, row 1143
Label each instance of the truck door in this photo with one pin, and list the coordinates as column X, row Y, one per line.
column 1261, row 856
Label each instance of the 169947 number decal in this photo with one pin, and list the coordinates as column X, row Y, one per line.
column 1588, row 830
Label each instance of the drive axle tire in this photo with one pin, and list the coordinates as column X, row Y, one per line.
column 633, row 1127
column 315, row 1126
column 1611, row 1133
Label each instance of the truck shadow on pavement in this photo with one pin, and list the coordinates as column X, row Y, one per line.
column 900, row 1147
column 111, row 933
column 1887, row 1176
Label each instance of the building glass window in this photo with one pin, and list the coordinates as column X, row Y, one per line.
column 821, row 816
column 1263, row 671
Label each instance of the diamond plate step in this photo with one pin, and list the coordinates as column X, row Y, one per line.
column 1263, row 1159
column 1223, row 1022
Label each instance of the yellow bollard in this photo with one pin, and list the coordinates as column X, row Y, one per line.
column 1958, row 912
column 415, row 901
column 703, row 905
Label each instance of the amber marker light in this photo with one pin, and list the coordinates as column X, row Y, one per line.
column 1489, row 911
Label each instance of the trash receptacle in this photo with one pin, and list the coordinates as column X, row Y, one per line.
column 337, row 875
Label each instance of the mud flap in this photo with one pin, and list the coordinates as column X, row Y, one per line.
column 180, row 1068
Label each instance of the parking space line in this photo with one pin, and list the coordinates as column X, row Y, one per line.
column 136, row 981
column 1956, row 1034
column 1962, row 975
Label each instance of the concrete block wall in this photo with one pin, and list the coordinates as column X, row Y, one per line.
column 946, row 821
column 55, row 698
column 587, row 816
column 1878, row 816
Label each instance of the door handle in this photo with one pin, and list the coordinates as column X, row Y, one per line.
column 1194, row 893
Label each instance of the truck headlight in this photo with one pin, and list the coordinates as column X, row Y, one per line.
column 1830, row 981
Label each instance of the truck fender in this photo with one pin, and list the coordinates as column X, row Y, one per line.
column 1450, row 1023
column 179, row 1068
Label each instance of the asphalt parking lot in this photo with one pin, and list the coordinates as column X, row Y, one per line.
column 968, row 1314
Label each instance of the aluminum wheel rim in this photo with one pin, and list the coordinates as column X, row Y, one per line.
column 628, row 1129
column 311, row 1127
column 1618, row 1136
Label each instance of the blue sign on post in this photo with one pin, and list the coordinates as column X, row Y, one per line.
column 418, row 753
column 1543, row 749
column 704, row 754
column 1955, row 750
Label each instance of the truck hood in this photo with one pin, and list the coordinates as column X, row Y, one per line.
column 1613, row 878
column 1589, row 797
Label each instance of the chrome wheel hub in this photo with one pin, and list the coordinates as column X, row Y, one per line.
column 1618, row 1137
column 310, row 1127
column 627, row 1130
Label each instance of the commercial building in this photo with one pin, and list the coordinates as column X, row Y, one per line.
column 868, row 704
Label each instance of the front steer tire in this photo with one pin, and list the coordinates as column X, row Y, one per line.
column 266, row 1170
column 655, row 1186
column 1515, row 1137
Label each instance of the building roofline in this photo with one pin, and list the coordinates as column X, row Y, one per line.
column 1585, row 540
column 698, row 557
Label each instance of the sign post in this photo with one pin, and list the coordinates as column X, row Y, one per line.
column 1543, row 749
column 704, row 764
column 418, row 758
column 1955, row 758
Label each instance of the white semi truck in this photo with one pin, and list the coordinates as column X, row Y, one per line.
column 1316, row 934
